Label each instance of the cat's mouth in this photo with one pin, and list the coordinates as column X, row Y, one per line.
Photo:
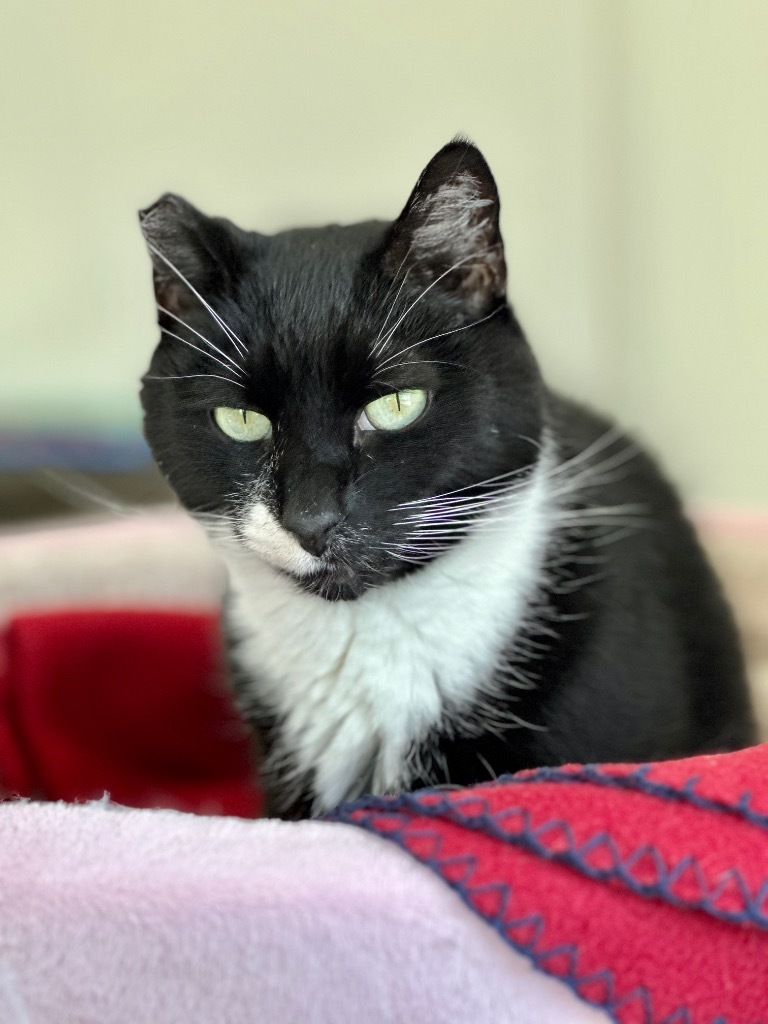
column 333, row 579
column 343, row 572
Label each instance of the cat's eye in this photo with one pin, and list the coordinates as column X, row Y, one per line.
column 242, row 424
column 394, row 411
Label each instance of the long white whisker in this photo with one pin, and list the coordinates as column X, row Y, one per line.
column 499, row 490
column 431, row 285
column 461, row 509
column 601, row 510
column 617, row 535
column 458, row 490
column 599, row 444
column 413, row 560
column 640, row 522
column 202, row 337
column 595, row 475
column 394, row 301
column 434, row 337
column 475, row 516
column 191, row 376
column 449, row 506
column 415, row 362
column 451, row 529
column 178, row 337
column 483, row 524
column 227, row 330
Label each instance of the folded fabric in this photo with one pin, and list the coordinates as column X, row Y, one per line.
column 641, row 892
column 644, row 889
column 157, row 917
column 132, row 703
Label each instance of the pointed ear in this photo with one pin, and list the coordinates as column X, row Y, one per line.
column 191, row 253
column 449, row 229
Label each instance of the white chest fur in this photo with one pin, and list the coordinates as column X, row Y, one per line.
column 359, row 682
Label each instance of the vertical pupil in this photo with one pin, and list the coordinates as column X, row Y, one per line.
column 397, row 399
column 245, row 415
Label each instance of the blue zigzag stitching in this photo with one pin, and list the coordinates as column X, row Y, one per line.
column 532, row 924
column 638, row 780
column 534, row 839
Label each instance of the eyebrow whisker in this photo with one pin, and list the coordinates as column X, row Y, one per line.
column 191, row 376
column 235, row 366
column 225, row 327
column 178, row 337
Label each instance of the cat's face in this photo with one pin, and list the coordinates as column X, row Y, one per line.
column 312, row 390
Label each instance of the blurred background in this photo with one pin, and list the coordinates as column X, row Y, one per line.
column 628, row 138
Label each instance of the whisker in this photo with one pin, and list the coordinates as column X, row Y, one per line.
column 415, row 362
column 476, row 524
column 227, row 330
column 479, row 523
column 601, row 510
column 434, row 337
column 191, row 376
column 202, row 337
column 595, row 474
column 459, row 512
column 437, row 505
column 410, row 560
column 178, row 337
column 394, row 303
column 610, row 436
column 432, row 284
column 570, row 586
column 611, row 538
column 633, row 524
column 458, row 490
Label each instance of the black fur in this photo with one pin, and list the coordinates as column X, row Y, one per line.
column 632, row 654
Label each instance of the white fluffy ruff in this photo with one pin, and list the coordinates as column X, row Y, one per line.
column 356, row 683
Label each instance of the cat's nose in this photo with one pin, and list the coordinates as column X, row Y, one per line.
column 312, row 529
column 312, row 498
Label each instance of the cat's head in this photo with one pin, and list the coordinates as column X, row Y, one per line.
column 314, row 390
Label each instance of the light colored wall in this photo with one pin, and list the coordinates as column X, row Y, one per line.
column 628, row 138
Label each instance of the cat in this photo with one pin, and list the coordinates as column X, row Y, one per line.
column 440, row 570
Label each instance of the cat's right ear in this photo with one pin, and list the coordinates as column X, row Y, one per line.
column 193, row 256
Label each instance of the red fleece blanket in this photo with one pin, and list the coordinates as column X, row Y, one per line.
column 645, row 889
column 131, row 703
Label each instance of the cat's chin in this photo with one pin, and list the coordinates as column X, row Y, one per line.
column 332, row 587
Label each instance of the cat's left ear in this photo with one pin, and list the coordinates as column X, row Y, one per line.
column 449, row 233
column 191, row 253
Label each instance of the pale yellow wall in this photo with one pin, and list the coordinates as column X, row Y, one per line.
column 629, row 140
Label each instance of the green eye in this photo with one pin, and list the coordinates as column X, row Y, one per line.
column 242, row 424
column 393, row 412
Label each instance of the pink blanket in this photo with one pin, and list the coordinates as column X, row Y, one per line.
column 156, row 917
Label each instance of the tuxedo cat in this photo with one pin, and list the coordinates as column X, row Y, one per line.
column 440, row 570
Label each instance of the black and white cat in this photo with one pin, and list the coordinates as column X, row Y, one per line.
column 439, row 570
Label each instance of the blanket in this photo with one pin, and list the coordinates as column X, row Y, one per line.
column 131, row 702
column 637, row 894
column 161, row 917
column 644, row 888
